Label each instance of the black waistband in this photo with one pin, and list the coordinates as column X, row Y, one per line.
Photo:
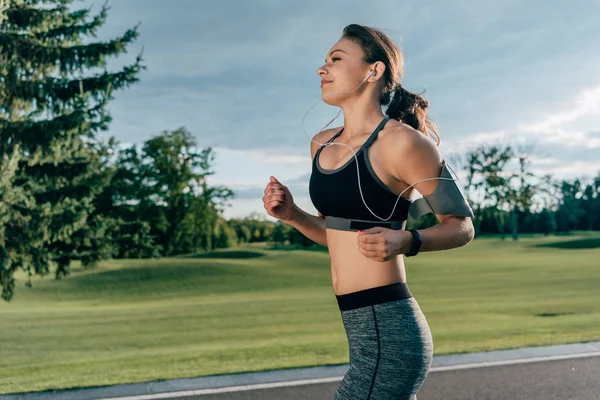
column 372, row 296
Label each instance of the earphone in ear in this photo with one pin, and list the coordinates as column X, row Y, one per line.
column 367, row 77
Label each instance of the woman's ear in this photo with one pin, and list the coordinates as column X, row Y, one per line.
column 378, row 69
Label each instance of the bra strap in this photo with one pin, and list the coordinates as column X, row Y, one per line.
column 325, row 144
column 335, row 136
column 373, row 136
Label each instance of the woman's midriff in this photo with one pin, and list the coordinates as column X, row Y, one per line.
column 352, row 271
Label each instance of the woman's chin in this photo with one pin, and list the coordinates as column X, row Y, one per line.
column 329, row 100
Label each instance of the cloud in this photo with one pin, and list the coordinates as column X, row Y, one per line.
column 244, row 190
column 549, row 129
column 271, row 156
column 576, row 169
column 587, row 103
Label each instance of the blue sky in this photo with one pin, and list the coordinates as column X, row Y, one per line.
column 240, row 75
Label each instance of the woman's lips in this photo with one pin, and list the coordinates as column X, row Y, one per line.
column 324, row 82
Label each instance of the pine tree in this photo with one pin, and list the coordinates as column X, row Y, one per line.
column 54, row 88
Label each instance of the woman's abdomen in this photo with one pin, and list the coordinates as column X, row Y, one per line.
column 352, row 271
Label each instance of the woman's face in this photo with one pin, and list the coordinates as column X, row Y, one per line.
column 343, row 71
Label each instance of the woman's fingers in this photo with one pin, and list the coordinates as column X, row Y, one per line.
column 274, row 188
column 373, row 238
column 371, row 254
column 276, row 199
column 271, row 204
column 375, row 247
column 271, row 197
column 278, row 194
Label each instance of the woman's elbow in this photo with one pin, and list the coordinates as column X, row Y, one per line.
column 459, row 229
column 468, row 231
column 464, row 231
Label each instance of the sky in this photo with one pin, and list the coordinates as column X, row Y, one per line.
column 240, row 76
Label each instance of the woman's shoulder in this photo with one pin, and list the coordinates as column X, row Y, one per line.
column 406, row 150
column 322, row 137
column 325, row 135
column 398, row 136
column 397, row 131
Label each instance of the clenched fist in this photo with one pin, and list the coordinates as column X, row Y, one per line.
column 278, row 200
column 382, row 244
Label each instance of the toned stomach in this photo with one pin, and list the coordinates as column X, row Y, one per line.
column 351, row 271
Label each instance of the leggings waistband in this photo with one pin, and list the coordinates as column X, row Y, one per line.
column 372, row 296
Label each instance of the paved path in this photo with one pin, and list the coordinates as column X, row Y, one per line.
column 535, row 373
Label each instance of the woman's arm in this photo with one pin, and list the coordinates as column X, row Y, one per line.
column 450, row 233
column 420, row 159
column 309, row 225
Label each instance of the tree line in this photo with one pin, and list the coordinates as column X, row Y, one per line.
column 509, row 198
column 67, row 193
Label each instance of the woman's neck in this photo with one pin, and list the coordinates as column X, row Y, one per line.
column 361, row 117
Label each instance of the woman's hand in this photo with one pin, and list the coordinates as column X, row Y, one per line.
column 278, row 200
column 382, row 244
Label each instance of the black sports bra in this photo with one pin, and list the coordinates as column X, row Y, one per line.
column 335, row 193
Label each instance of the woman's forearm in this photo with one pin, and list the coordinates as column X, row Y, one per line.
column 311, row 226
column 451, row 233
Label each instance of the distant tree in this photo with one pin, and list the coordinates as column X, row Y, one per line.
column 589, row 204
column 280, row 233
column 224, row 236
column 569, row 210
column 242, row 231
column 164, row 182
column 596, row 201
column 547, row 222
column 133, row 240
column 548, row 192
column 475, row 163
column 487, row 174
column 520, row 194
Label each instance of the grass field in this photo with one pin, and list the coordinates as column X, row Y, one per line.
column 252, row 308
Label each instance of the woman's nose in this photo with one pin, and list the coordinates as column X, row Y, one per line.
column 321, row 71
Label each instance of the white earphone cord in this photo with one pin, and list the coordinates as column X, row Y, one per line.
column 356, row 158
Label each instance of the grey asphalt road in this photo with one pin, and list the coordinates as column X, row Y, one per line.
column 564, row 371
column 573, row 379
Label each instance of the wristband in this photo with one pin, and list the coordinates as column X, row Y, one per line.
column 416, row 244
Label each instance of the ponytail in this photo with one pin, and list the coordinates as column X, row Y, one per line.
column 410, row 108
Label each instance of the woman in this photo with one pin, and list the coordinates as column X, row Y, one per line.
column 362, row 190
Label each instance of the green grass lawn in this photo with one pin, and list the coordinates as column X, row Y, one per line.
column 253, row 309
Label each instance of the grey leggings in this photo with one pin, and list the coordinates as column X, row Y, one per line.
column 390, row 344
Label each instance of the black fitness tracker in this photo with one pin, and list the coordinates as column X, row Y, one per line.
column 416, row 244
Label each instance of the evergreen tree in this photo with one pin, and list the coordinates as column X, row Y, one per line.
column 54, row 88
